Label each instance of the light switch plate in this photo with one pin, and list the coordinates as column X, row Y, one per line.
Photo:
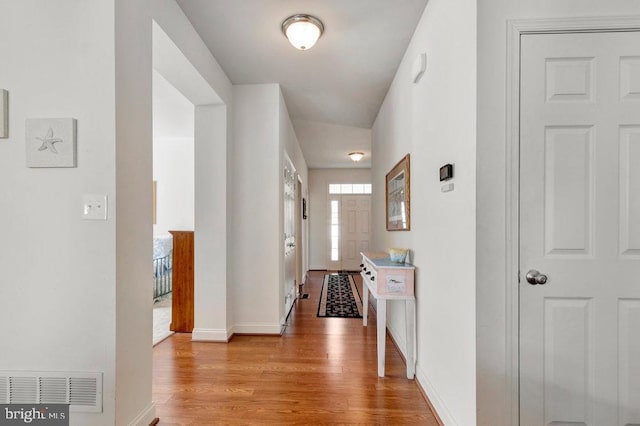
column 94, row 207
column 447, row 187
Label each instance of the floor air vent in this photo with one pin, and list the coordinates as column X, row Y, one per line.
column 83, row 391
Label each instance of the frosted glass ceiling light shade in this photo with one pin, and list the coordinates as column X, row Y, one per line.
column 356, row 156
column 302, row 31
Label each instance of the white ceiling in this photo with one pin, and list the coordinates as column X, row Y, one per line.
column 342, row 80
column 326, row 146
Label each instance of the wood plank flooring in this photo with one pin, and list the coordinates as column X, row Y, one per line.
column 320, row 371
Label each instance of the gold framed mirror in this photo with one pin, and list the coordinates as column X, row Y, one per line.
column 398, row 197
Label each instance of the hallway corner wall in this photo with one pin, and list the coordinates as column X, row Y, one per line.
column 79, row 290
column 255, row 196
column 435, row 122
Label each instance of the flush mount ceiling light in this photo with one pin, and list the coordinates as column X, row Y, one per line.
column 356, row 156
column 302, row 30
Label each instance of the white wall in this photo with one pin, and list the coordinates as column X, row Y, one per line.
column 173, row 171
column 173, row 157
column 290, row 147
column 318, row 208
column 212, row 300
column 133, row 160
column 255, row 202
column 67, row 290
column 492, row 355
column 262, row 133
column 435, row 121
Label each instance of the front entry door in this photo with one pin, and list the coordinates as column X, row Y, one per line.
column 580, row 228
column 355, row 232
column 349, row 231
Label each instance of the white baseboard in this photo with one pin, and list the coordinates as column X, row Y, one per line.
column 209, row 335
column 257, row 328
column 434, row 398
column 145, row 417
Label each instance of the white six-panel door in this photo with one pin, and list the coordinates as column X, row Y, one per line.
column 580, row 227
column 355, row 232
column 349, row 231
column 289, row 191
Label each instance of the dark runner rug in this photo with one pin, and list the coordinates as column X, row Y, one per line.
column 340, row 297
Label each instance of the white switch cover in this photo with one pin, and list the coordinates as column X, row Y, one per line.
column 447, row 187
column 94, row 207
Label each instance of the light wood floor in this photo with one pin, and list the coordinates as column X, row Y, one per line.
column 320, row 371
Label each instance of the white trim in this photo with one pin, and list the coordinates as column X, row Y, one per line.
column 434, row 398
column 257, row 328
column 209, row 335
column 318, row 268
column 515, row 29
column 567, row 25
column 145, row 417
column 512, row 150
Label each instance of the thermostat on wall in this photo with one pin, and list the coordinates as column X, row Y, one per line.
column 446, row 172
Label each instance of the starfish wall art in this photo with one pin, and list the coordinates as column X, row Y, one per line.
column 51, row 142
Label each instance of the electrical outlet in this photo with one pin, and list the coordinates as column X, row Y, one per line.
column 94, row 207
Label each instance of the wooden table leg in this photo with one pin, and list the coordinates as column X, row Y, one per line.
column 365, row 302
column 382, row 334
column 410, row 312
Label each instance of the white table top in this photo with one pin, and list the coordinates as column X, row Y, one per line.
column 386, row 263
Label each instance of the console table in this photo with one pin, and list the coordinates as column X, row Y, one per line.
column 387, row 280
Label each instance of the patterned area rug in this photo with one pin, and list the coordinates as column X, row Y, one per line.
column 340, row 297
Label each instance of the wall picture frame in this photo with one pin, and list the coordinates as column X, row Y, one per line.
column 4, row 114
column 51, row 142
column 398, row 196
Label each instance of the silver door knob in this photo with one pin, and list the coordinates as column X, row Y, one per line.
column 535, row 277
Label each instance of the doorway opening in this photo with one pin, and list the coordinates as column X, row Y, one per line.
column 199, row 296
column 174, row 191
column 349, row 224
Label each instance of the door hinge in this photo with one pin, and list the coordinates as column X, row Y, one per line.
column 518, row 277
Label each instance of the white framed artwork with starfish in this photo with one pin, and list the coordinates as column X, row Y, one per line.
column 51, row 142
